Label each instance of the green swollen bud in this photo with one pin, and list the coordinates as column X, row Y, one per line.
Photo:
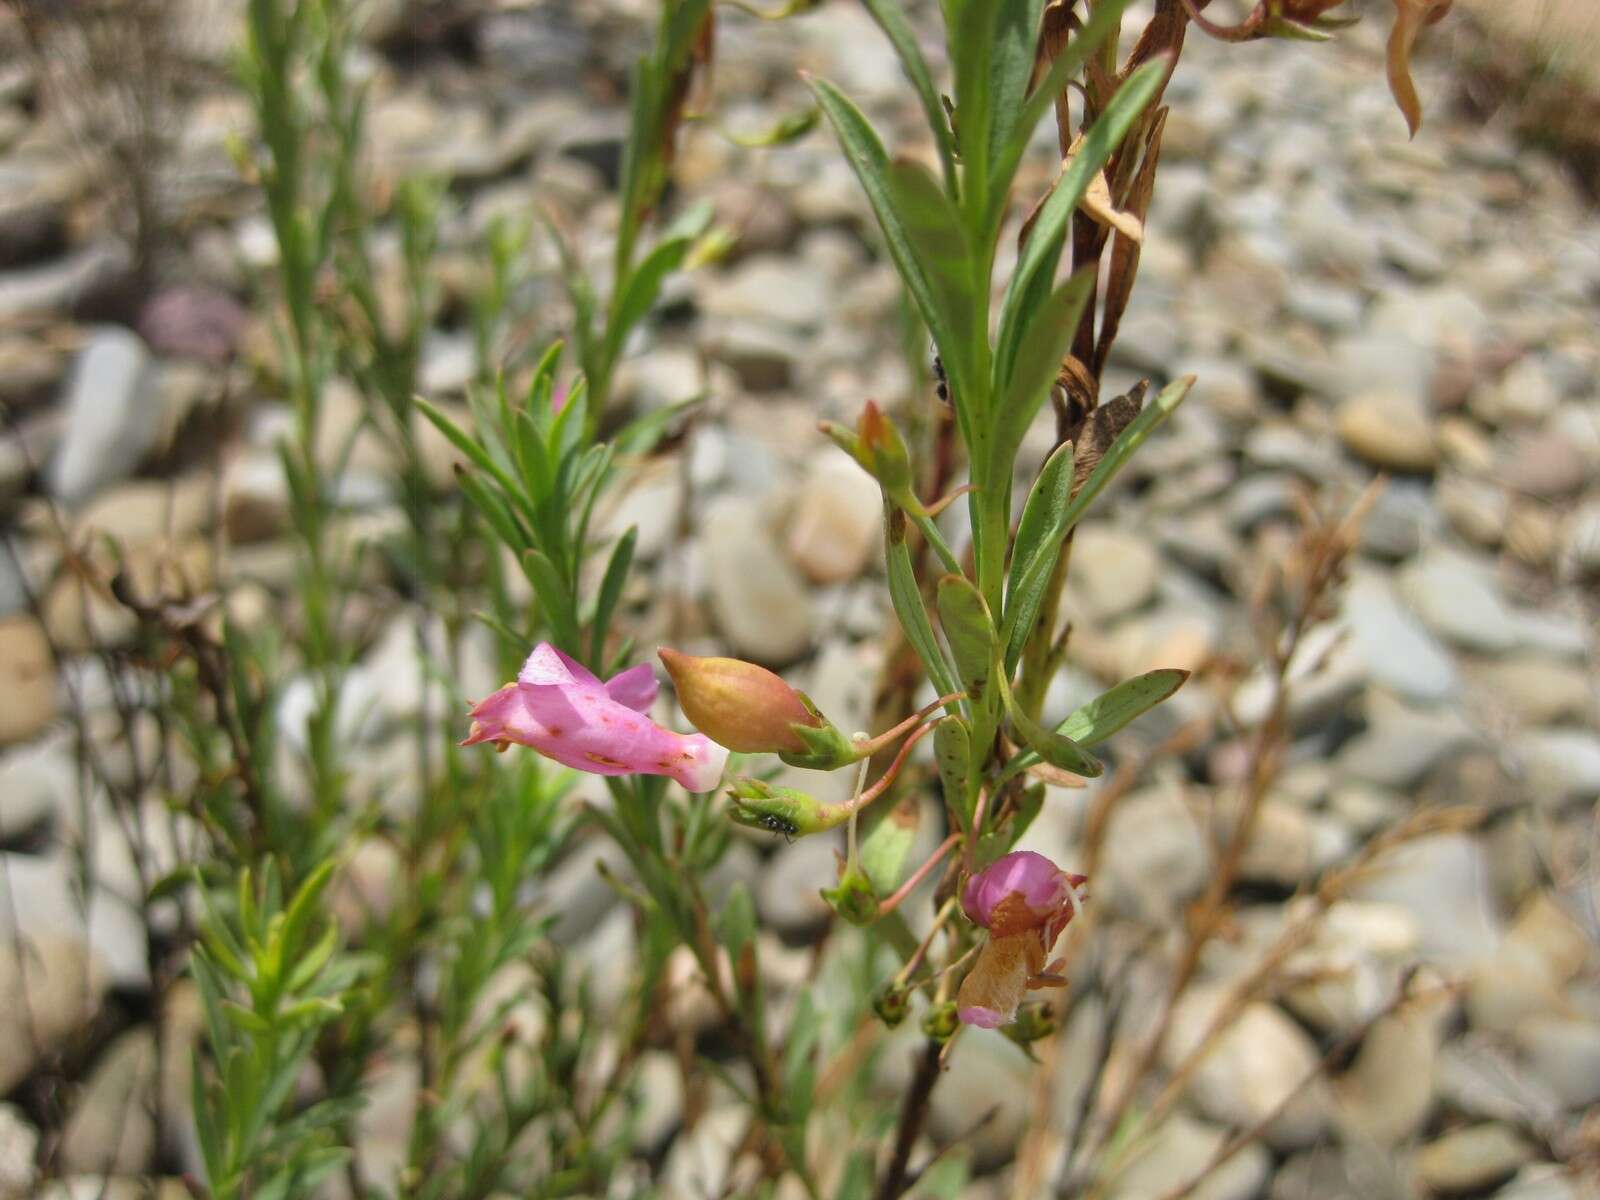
column 877, row 445
column 853, row 899
column 792, row 813
column 892, row 1004
column 941, row 1022
column 1034, row 1020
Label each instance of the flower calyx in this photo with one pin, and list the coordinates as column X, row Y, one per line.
column 877, row 445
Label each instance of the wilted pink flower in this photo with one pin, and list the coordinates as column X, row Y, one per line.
column 1024, row 900
column 558, row 707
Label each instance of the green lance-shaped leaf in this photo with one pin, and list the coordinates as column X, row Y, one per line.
column 892, row 20
column 736, row 923
column 1022, row 603
column 1035, row 273
column 906, row 597
column 934, row 227
column 1056, row 749
column 1104, row 20
column 969, row 632
column 1036, row 548
column 1111, row 710
column 952, row 752
column 1038, row 361
column 991, row 44
column 885, row 848
column 869, row 160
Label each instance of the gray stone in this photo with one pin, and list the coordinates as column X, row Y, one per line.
column 1559, row 765
column 1542, row 1181
column 1258, row 1063
column 762, row 354
column 1458, row 598
column 35, row 782
column 1154, row 857
column 1535, row 689
column 1178, row 1151
column 114, row 416
column 1471, row 1158
column 1384, row 362
column 761, row 604
column 112, row 1127
column 1580, row 549
column 1395, row 649
column 1326, row 305
column 1444, row 882
column 1398, row 522
column 19, row 1147
column 50, row 988
column 651, row 502
column 1388, row 1092
column 27, row 679
column 67, row 284
column 787, row 895
column 837, row 523
column 769, row 287
column 1564, row 1052
column 1117, row 572
column 1388, row 430
column 46, row 900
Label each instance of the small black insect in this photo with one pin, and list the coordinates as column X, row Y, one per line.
column 941, row 381
column 773, row 823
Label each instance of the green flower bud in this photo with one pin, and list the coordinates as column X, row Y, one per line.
column 876, row 444
column 940, row 1022
column 792, row 813
column 892, row 1004
column 1034, row 1020
column 853, row 899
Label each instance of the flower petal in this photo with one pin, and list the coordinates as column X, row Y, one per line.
column 1020, row 890
column 547, row 665
column 636, row 687
column 998, row 981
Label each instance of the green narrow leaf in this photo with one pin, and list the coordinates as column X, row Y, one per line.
column 1104, row 19
column 736, row 923
column 1036, row 574
column 934, row 228
column 1111, row 710
column 1037, row 265
column 952, row 752
column 642, row 288
column 869, row 160
column 1047, row 501
column 1055, row 748
column 554, row 599
column 968, row 631
column 800, row 1060
column 1031, row 374
column 459, row 439
column 610, row 592
column 1036, row 551
column 906, row 598
column 885, row 847
column 892, row 20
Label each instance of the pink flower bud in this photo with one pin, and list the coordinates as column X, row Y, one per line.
column 740, row 705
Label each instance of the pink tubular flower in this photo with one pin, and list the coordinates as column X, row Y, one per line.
column 1024, row 900
column 560, row 709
